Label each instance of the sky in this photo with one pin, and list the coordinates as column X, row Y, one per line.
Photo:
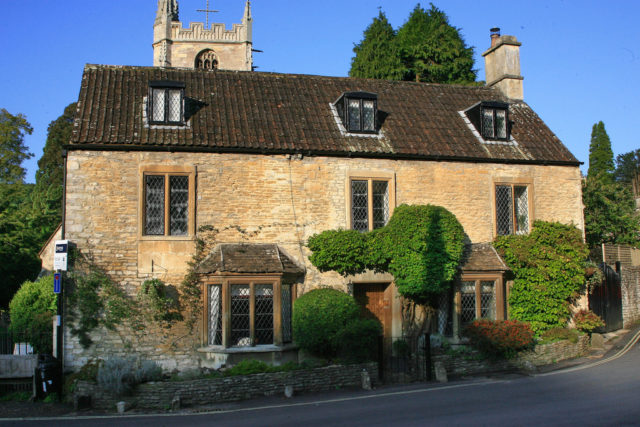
column 580, row 58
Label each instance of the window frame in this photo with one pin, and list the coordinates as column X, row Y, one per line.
column 530, row 212
column 226, row 282
column 167, row 172
column 166, row 86
column 370, row 177
column 342, row 106
column 475, row 114
column 478, row 278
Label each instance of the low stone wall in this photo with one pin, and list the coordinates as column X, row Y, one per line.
column 545, row 354
column 160, row 395
column 630, row 288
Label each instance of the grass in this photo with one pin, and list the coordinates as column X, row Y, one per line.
column 16, row 396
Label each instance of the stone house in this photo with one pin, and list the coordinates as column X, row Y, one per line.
column 259, row 162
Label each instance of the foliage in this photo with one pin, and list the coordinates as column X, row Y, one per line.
column 628, row 167
column 548, row 265
column 594, row 275
column 87, row 372
column 13, row 150
column 16, row 396
column 32, row 309
column 358, row 340
column 499, row 338
column 401, row 348
column 422, row 246
column 120, row 375
column 248, row 367
column 318, row 318
column 19, row 239
column 559, row 334
column 587, row 321
column 609, row 213
column 600, row 154
column 425, row 49
column 164, row 309
column 432, row 50
column 376, row 55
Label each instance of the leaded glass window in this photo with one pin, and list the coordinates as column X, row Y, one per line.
column 286, row 312
column 166, row 102
column 166, row 199
column 358, row 111
column 477, row 299
column 263, row 314
column 215, row 315
column 467, row 302
column 369, row 204
column 240, row 315
column 368, row 115
column 512, row 209
column 494, row 123
column 354, row 115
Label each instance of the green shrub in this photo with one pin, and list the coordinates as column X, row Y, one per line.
column 163, row 309
column 559, row 334
column 587, row 321
column 422, row 246
column 499, row 338
column 120, row 375
column 358, row 340
column 549, row 269
column 248, row 367
column 318, row 317
column 32, row 309
column 88, row 372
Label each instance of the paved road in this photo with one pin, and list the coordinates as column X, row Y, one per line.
column 603, row 394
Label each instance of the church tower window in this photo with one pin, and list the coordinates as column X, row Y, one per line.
column 206, row 60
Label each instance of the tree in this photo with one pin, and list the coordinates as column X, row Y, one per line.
column 609, row 213
column 376, row 56
column 628, row 169
column 50, row 166
column 13, row 151
column 600, row 154
column 432, row 50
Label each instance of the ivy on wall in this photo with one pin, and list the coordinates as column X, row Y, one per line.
column 549, row 269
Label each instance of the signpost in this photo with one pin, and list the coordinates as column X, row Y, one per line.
column 60, row 256
column 57, row 283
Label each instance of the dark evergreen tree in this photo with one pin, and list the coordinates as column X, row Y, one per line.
column 376, row 56
column 434, row 51
column 13, row 151
column 600, row 154
column 628, row 169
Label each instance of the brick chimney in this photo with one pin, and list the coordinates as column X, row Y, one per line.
column 502, row 65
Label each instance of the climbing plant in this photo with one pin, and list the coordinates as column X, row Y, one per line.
column 549, row 268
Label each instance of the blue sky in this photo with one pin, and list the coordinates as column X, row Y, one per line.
column 580, row 59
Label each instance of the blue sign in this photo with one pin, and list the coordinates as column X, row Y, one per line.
column 57, row 283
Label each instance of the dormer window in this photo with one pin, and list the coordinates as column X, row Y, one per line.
column 491, row 119
column 166, row 102
column 358, row 111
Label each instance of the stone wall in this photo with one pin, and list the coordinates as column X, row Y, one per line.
column 160, row 395
column 630, row 285
column 268, row 199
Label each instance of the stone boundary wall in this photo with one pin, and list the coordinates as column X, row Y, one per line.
column 630, row 285
column 160, row 395
column 541, row 355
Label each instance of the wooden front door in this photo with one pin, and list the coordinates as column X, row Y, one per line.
column 375, row 302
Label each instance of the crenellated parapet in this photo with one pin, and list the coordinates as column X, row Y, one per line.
column 216, row 33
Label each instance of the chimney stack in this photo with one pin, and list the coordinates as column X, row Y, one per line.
column 502, row 65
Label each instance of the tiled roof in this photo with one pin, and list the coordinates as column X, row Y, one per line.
column 482, row 257
column 288, row 113
column 248, row 259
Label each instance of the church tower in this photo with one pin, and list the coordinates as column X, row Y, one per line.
column 210, row 48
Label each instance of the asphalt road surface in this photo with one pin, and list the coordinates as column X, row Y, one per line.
column 606, row 392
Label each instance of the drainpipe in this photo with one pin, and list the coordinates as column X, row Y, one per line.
column 60, row 308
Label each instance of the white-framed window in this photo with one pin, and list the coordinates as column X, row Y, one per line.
column 512, row 209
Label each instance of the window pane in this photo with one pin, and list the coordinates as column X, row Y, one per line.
column 380, row 203
column 175, row 106
column 154, row 205
column 158, row 105
column 488, row 300
column 215, row 315
column 240, row 324
column 504, row 212
column 501, row 124
column 359, row 205
column 521, row 209
column 368, row 115
column 179, row 205
column 286, row 313
column 264, row 314
column 467, row 302
column 487, row 123
column 354, row 114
